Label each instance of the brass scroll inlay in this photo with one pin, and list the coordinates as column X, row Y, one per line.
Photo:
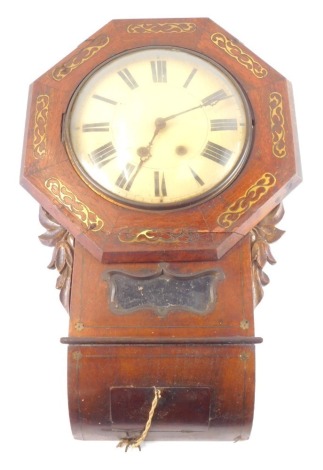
column 157, row 236
column 239, row 55
column 277, row 122
column 73, row 204
column 82, row 56
column 40, row 126
column 162, row 28
column 243, row 204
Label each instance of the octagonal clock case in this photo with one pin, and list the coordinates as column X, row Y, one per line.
column 160, row 152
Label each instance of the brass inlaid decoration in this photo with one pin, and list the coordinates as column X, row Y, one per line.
column 244, row 324
column 243, row 204
column 261, row 235
column 82, row 56
column 77, row 355
column 157, row 236
column 79, row 326
column 239, row 55
column 62, row 259
column 73, row 204
column 162, row 28
column 277, row 122
column 244, row 357
column 40, row 126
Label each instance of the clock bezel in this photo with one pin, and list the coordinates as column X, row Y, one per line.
column 146, row 206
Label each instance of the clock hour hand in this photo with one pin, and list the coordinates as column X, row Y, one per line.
column 145, row 152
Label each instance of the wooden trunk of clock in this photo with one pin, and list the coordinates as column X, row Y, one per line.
column 201, row 359
column 207, row 391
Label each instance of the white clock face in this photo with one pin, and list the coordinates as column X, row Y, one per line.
column 158, row 128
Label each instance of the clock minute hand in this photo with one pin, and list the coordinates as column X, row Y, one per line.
column 160, row 123
column 210, row 100
column 172, row 116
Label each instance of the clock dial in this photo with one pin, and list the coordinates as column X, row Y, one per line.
column 158, row 128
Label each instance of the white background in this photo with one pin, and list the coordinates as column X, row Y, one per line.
column 34, row 425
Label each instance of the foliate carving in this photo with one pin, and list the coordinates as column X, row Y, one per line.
column 261, row 236
column 243, row 204
column 277, row 122
column 40, row 126
column 239, row 55
column 82, row 56
column 76, row 207
column 162, row 28
column 62, row 241
column 155, row 236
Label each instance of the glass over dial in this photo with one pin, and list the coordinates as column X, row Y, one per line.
column 158, row 128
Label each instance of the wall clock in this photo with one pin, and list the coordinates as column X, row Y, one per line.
column 160, row 152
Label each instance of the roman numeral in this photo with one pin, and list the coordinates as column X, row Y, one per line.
column 224, row 125
column 96, row 127
column 189, row 78
column 128, row 79
column 103, row 98
column 103, row 155
column 214, row 98
column 196, row 177
column 217, row 153
column 125, row 179
column 159, row 71
column 160, row 184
